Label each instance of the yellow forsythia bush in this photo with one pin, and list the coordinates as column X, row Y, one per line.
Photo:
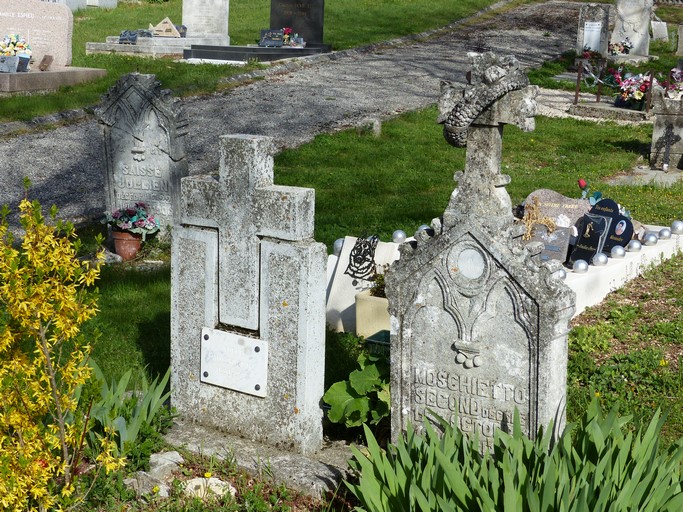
column 45, row 296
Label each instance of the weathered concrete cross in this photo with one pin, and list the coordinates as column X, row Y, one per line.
column 244, row 206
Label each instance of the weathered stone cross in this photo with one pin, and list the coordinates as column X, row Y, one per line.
column 245, row 206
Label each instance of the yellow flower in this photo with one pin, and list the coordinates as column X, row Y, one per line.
column 207, row 474
column 663, row 362
column 597, row 393
column 156, row 489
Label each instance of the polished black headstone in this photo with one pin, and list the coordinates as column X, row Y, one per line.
column 304, row 17
column 592, row 233
column 272, row 38
column 620, row 230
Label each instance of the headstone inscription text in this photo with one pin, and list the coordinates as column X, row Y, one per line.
column 304, row 17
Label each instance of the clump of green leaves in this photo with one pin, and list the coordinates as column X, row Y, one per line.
column 364, row 397
column 597, row 464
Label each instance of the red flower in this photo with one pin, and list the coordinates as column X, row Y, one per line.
column 582, row 183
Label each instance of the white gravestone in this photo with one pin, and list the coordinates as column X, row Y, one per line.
column 633, row 22
column 343, row 288
column 207, row 19
column 46, row 26
column 660, row 31
column 248, row 302
column 593, row 28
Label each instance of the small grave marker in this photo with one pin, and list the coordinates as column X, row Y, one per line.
column 555, row 243
column 144, row 131
column 270, row 37
column 660, row 32
column 592, row 234
column 564, row 211
column 620, row 230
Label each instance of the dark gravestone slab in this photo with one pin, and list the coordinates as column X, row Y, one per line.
column 555, row 243
column 592, row 233
column 304, row 17
column 558, row 207
column 274, row 38
column 620, row 229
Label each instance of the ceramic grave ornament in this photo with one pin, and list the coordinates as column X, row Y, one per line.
column 479, row 325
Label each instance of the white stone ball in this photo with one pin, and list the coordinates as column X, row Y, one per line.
column 580, row 266
column 599, row 260
column 423, row 227
column 677, row 227
column 337, row 248
column 560, row 274
column 634, row 246
column 664, row 234
column 617, row 252
column 650, row 239
column 399, row 236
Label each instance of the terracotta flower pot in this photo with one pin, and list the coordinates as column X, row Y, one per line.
column 127, row 245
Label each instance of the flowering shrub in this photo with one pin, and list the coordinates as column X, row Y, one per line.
column 134, row 220
column 44, row 299
column 14, row 44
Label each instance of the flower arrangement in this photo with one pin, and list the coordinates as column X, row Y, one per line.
column 14, row 44
column 287, row 32
column 673, row 86
column 620, row 48
column 134, row 220
column 632, row 88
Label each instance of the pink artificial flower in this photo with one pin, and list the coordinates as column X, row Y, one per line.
column 582, row 183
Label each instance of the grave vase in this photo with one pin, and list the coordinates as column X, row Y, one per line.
column 126, row 244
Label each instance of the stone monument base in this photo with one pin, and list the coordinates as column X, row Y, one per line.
column 253, row 52
column 154, row 46
column 52, row 79
column 631, row 59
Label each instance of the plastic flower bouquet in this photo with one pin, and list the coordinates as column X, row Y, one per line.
column 14, row 44
column 134, row 220
column 632, row 88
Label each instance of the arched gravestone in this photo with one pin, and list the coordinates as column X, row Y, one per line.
column 144, row 142
column 479, row 325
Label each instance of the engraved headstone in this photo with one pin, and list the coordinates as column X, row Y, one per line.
column 248, row 302
column 144, row 131
column 633, row 22
column 593, row 31
column 46, row 26
column 564, row 211
column 304, row 17
column 207, row 19
column 479, row 325
column 620, row 229
column 666, row 151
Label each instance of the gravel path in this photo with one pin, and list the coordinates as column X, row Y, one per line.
column 294, row 102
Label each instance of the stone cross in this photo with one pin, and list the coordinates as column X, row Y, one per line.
column 479, row 324
column 666, row 150
column 248, row 302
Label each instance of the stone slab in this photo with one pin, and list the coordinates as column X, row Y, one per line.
column 602, row 111
column 52, row 79
column 313, row 475
column 46, row 26
column 592, row 287
column 150, row 46
column 679, row 51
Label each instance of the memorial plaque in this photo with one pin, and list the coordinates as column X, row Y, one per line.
column 555, row 243
column 270, row 37
column 304, row 17
column 620, row 229
column 592, row 234
column 564, row 211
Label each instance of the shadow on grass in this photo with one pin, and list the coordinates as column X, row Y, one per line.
column 154, row 343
